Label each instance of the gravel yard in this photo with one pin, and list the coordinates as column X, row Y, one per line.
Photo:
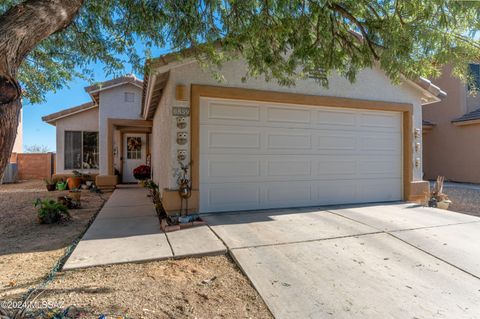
column 29, row 250
column 465, row 198
column 208, row 287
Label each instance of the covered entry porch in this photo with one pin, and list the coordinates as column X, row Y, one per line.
column 128, row 146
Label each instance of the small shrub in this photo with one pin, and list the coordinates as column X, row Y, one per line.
column 50, row 211
column 49, row 181
column 142, row 172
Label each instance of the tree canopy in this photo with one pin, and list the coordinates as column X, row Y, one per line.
column 280, row 39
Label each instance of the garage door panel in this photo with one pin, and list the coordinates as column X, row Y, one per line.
column 380, row 143
column 337, row 192
column 233, row 196
column 232, row 111
column 287, row 194
column 236, row 139
column 380, row 120
column 288, row 115
column 340, row 142
column 336, row 117
column 387, row 167
column 295, row 167
column 231, row 168
column 269, row 155
column 375, row 190
column 329, row 167
column 291, row 141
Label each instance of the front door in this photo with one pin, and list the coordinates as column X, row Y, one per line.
column 134, row 149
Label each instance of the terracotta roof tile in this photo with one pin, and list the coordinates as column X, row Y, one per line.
column 76, row 109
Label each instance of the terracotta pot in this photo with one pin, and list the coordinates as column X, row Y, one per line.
column 75, row 195
column 51, row 187
column 74, row 182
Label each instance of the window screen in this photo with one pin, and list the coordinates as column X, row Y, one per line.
column 73, row 149
column 90, row 150
column 81, row 150
column 474, row 70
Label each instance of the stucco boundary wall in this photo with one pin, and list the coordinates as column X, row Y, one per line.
column 34, row 165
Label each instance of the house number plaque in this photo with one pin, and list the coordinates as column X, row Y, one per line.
column 180, row 111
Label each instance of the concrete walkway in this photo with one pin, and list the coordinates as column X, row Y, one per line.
column 372, row 261
column 127, row 230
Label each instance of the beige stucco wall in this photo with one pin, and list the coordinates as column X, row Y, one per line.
column 18, row 146
column 449, row 150
column 112, row 105
column 371, row 84
column 161, row 145
column 84, row 121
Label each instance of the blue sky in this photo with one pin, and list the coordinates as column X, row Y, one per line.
column 37, row 132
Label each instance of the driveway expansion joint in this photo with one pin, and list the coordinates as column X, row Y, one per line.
column 307, row 240
column 427, row 227
column 434, row 256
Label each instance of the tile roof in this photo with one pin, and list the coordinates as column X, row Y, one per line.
column 427, row 123
column 73, row 110
column 474, row 115
column 130, row 78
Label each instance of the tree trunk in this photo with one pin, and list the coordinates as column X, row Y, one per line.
column 22, row 28
column 8, row 131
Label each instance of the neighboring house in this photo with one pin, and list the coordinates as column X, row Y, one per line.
column 82, row 131
column 452, row 131
column 256, row 144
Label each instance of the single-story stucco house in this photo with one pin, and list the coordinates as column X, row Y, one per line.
column 254, row 144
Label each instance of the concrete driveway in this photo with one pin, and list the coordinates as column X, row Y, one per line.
column 374, row 261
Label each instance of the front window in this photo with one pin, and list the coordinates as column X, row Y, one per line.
column 474, row 70
column 81, row 150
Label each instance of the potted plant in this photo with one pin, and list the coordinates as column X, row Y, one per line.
column 50, row 184
column 438, row 198
column 50, row 211
column 142, row 173
column 75, row 194
column 75, row 180
column 61, row 185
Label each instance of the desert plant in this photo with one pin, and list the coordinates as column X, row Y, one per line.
column 75, row 194
column 50, row 184
column 50, row 211
column 49, row 181
column 77, row 173
column 437, row 195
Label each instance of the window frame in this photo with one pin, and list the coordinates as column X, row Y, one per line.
column 81, row 150
column 474, row 70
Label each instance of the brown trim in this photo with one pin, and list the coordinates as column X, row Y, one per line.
column 465, row 123
column 122, row 136
column 198, row 91
column 111, row 125
column 407, row 152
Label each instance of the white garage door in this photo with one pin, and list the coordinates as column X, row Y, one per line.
column 263, row 155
